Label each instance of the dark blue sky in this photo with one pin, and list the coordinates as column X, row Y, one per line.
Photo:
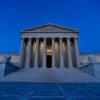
column 80, row 14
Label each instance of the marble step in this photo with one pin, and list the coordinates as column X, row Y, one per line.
column 50, row 75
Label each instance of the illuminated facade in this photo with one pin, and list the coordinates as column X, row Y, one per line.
column 48, row 46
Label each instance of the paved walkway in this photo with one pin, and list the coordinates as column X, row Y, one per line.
column 49, row 91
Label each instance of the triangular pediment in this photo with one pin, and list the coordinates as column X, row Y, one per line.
column 45, row 28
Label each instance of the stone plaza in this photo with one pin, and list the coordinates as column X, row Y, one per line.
column 49, row 91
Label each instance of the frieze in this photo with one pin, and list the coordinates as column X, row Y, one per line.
column 27, row 35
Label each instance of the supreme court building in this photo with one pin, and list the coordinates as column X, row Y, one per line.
column 49, row 45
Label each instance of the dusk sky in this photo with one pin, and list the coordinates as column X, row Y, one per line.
column 83, row 15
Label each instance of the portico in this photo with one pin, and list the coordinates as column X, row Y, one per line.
column 49, row 46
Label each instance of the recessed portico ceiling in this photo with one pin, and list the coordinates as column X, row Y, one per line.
column 49, row 28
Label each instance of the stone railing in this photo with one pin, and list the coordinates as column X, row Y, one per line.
column 91, row 68
column 6, row 67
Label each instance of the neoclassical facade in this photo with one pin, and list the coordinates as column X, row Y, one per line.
column 49, row 45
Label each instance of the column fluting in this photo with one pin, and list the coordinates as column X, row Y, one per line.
column 28, row 60
column 53, row 53
column 61, row 54
column 36, row 53
column 44, row 54
column 77, row 52
column 69, row 53
column 21, row 55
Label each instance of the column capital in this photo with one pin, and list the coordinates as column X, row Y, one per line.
column 75, row 38
column 61, row 38
column 53, row 38
column 44, row 38
column 68, row 37
column 30, row 38
column 22, row 38
column 37, row 38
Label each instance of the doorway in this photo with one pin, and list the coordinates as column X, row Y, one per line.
column 49, row 61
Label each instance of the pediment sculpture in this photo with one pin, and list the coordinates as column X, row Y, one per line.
column 50, row 28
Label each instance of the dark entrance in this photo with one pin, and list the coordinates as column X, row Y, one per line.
column 49, row 61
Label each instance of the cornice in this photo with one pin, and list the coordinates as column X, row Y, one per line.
column 50, row 35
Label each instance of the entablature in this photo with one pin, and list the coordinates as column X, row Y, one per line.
column 50, row 35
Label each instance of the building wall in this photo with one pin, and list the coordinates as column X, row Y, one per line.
column 15, row 56
column 84, row 57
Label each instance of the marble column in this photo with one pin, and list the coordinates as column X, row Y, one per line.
column 69, row 53
column 61, row 54
column 28, row 60
column 44, row 54
column 77, row 52
column 21, row 55
column 53, row 53
column 36, row 53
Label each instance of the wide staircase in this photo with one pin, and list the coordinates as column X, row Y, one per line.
column 49, row 75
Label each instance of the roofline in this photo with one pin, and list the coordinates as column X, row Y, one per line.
column 23, row 30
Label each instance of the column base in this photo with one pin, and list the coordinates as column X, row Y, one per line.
column 53, row 67
column 70, row 66
column 27, row 66
column 35, row 66
column 62, row 67
column 44, row 67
